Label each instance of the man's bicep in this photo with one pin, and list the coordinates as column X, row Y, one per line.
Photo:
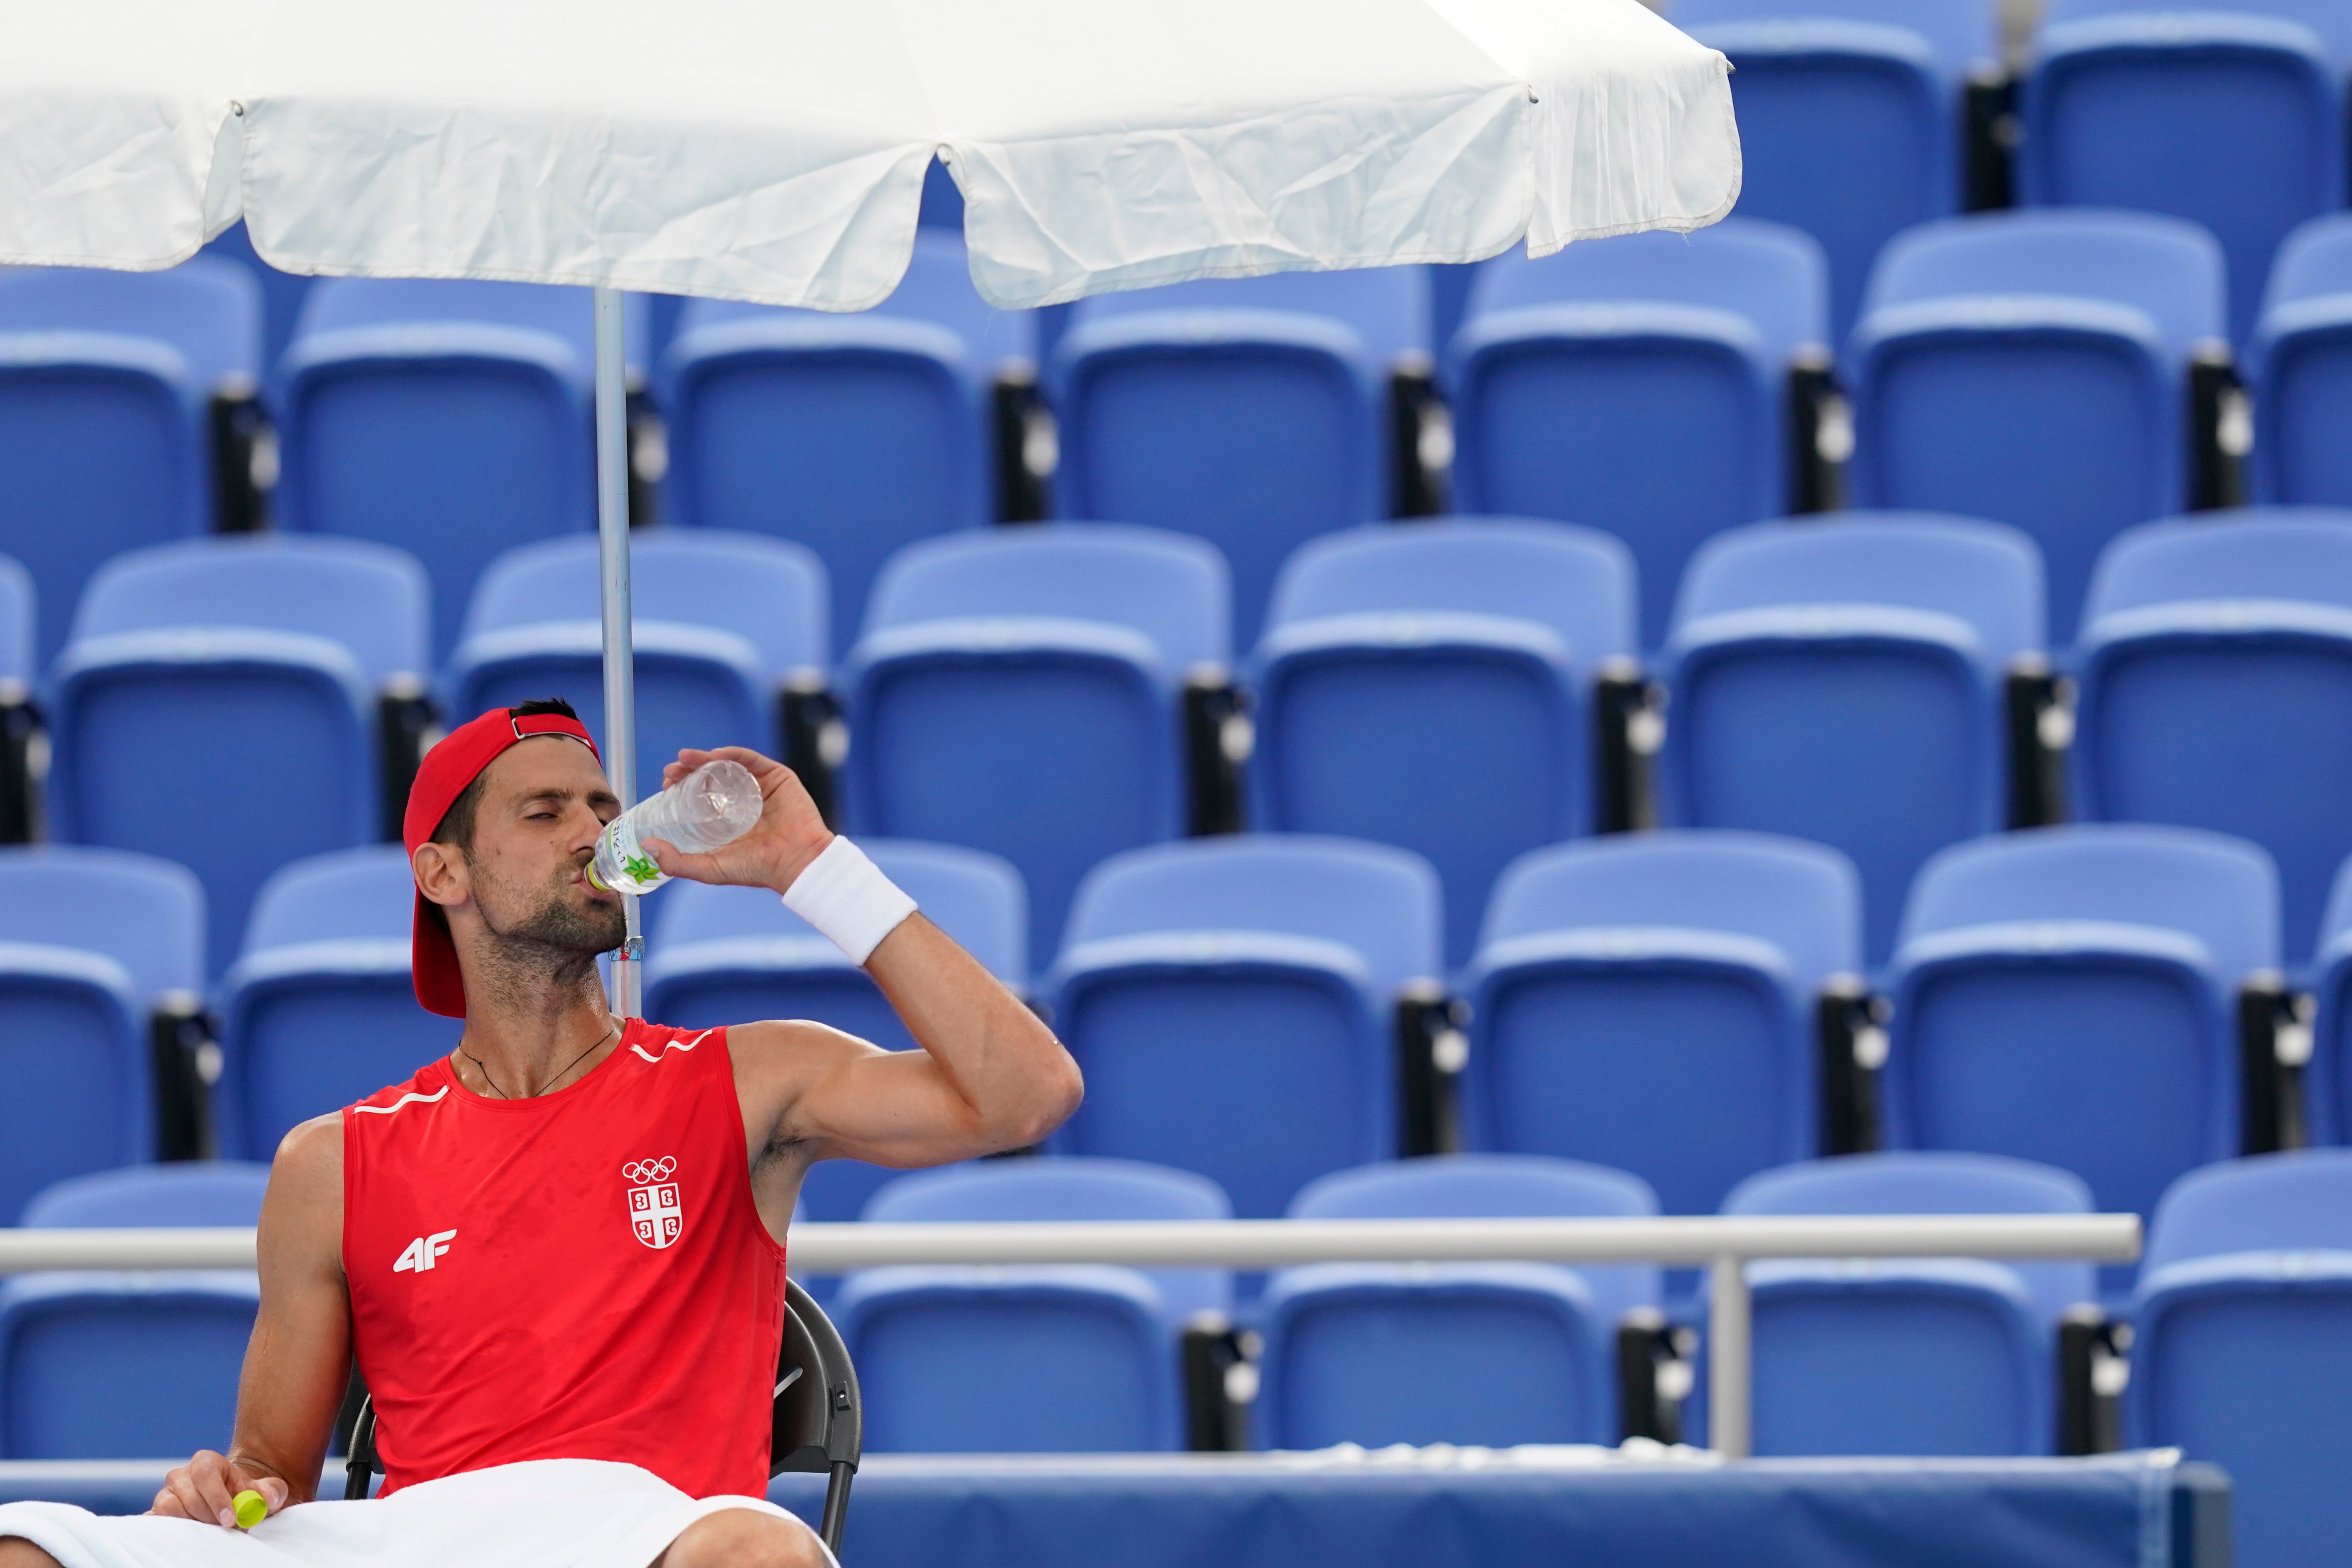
column 844, row 1098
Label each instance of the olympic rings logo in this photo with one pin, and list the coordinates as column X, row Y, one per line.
column 641, row 1170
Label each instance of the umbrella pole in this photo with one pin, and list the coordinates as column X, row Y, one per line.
column 620, row 677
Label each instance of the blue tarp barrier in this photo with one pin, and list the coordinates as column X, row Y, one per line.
column 1460, row 1508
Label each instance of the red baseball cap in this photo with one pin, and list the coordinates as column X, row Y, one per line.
column 447, row 769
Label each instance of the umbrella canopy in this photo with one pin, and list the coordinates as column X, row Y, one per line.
column 774, row 150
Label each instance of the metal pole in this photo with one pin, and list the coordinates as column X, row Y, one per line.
column 1730, row 1386
column 620, row 680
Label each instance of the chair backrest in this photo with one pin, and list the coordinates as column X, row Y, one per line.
column 1578, row 582
column 566, row 313
column 1069, row 1187
column 145, row 913
column 1386, row 306
column 2298, row 358
column 1804, row 898
column 1169, row 587
column 1909, row 1181
column 1590, row 948
column 2204, row 641
column 371, row 598
column 349, row 895
column 207, row 309
column 2296, row 1201
column 1771, row 275
column 1788, row 634
column 199, row 1192
column 2223, row 891
column 819, row 1425
column 769, row 592
column 936, row 287
column 1381, row 902
column 1959, row 32
column 2231, row 116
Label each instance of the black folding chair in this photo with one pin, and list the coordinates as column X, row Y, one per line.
column 819, row 1425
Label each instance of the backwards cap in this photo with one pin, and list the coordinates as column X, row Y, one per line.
column 447, row 769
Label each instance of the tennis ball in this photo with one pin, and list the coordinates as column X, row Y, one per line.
column 252, row 1507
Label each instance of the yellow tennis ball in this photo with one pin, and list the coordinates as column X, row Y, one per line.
column 252, row 1507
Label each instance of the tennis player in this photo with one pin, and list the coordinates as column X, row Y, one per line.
column 557, row 1254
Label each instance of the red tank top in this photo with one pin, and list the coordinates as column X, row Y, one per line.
column 581, row 1276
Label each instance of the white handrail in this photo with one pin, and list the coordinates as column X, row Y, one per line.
column 1723, row 1243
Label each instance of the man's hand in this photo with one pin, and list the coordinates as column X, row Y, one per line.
column 788, row 836
column 205, row 1488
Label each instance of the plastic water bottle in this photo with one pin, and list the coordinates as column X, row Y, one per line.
column 713, row 805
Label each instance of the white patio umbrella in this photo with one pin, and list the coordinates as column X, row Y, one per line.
column 774, row 151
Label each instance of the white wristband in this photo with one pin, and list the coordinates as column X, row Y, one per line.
column 846, row 897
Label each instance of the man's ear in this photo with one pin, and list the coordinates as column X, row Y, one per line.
column 442, row 874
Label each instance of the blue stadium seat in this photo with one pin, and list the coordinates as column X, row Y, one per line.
column 1491, row 1353
column 282, row 293
column 2032, row 367
column 1075, row 1359
column 853, row 434
column 1842, row 681
column 1019, row 691
column 1251, row 411
column 2300, row 364
column 1873, row 88
column 2069, row 994
column 2242, row 1352
column 106, row 380
column 2213, row 649
column 90, row 941
column 1639, row 384
column 2229, row 115
column 320, row 1012
column 1429, row 685
column 217, row 705
column 1647, row 1002
column 720, row 955
column 102, row 1365
column 450, row 417
column 1232, row 1001
column 1912, row 1355
column 725, row 622
column 2327, row 1080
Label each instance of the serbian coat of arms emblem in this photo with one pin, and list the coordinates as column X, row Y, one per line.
column 655, row 1212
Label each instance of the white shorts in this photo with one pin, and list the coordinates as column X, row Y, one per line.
column 542, row 1513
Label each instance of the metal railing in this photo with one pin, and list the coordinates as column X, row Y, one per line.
column 1722, row 1244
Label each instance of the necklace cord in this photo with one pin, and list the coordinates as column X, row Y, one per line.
column 551, row 1083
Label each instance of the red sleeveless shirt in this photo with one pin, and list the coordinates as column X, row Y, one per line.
column 581, row 1276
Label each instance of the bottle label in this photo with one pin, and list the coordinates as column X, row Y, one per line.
column 622, row 861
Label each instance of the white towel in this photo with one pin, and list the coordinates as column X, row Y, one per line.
column 543, row 1514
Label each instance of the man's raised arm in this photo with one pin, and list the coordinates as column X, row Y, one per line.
column 989, row 1076
column 299, row 1359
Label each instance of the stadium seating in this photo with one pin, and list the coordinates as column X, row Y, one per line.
column 853, row 434
column 1430, row 685
column 1842, row 681
column 2232, row 116
column 1232, row 1001
column 102, row 1365
column 1075, row 1359
column 725, row 624
column 1876, row 89
column 1639, row 384
column 2215, row 689
column 2241, row 1325
column 721, row 956
column 1018, row 691
column 1911, row 1355
column 282, row 293
column 1251, row 411
column 91, row 941
column 453, row 418
column 2301, row 366
column 1648, row 1002
column 2033, row 368
column 2069, row 994
column 2327, row 1080
column 219, row 705
column 105, row 385
column 320, row 1012
column 1491, row 1353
